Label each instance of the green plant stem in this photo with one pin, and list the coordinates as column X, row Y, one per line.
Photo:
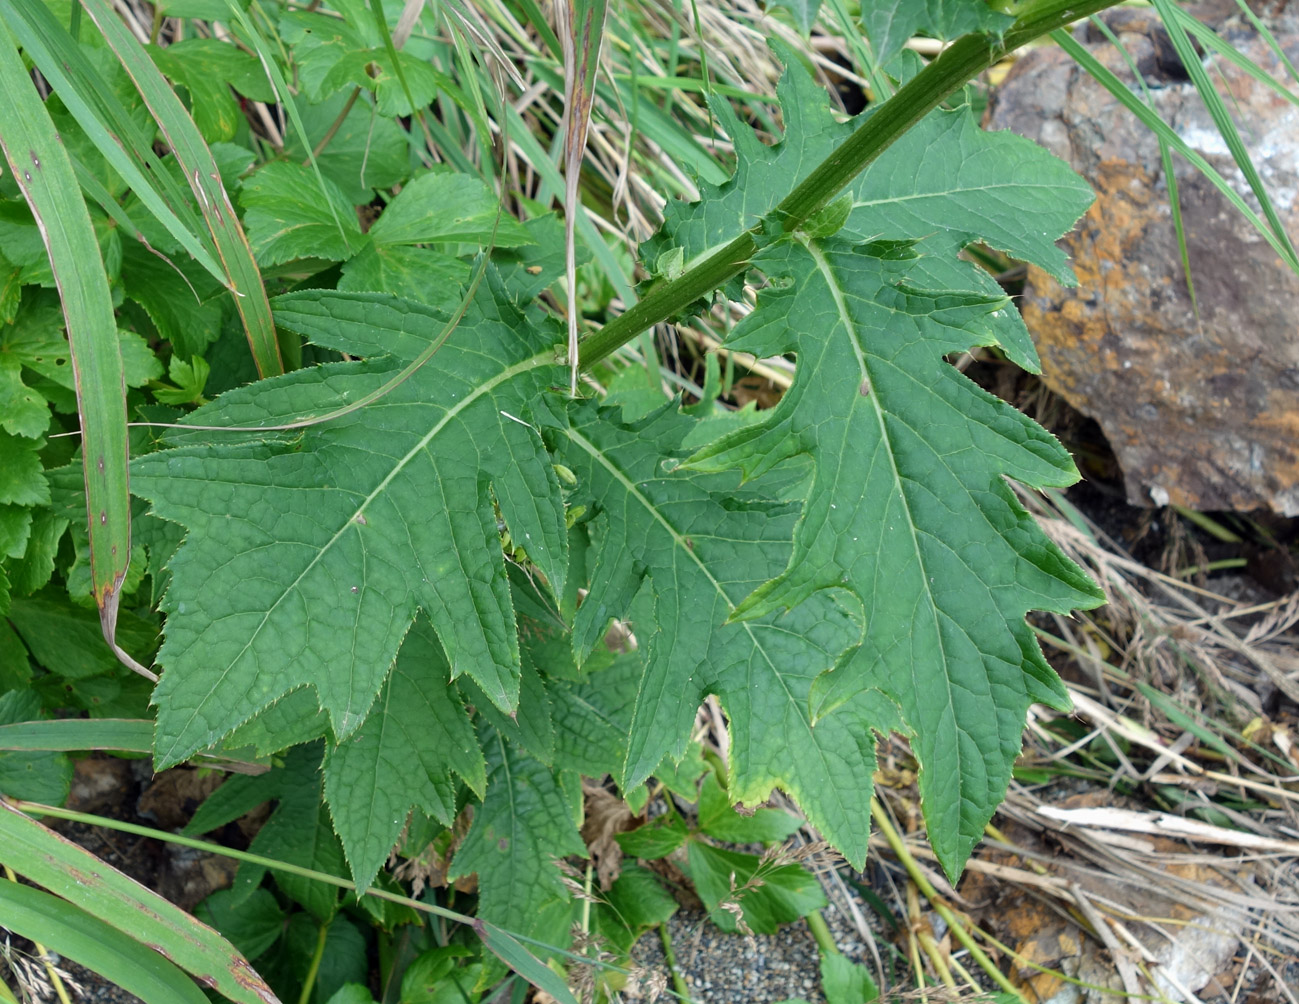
column 960, row 63
column 1209, row 525
column 309, row 982
column 821, row 933
column 670, row 960
column 927, row 890
column 37, row 809
column 1213, row 566
column 334, row 126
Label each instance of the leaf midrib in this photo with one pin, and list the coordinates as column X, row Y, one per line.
column 839, row 295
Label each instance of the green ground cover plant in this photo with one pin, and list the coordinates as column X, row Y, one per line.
column 384, row 516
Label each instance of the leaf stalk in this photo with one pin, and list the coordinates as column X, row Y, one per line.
column 950, row 71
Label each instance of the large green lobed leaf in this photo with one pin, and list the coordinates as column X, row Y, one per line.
column 676, row 552
column 308, row 557
column 909, row 508
column 528, row 820
column 867, row 570
column 416, row 737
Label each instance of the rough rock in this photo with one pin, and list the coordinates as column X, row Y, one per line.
column 1201, row 412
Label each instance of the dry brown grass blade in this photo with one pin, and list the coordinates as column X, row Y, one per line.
column 581, row 30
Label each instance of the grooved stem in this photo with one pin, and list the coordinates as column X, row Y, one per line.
column 956, row 66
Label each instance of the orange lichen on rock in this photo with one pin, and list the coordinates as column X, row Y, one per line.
column 1200, row 401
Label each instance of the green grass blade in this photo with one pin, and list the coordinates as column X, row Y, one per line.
column 121, row 735
column 40, row 165
column 657, row 125
column 504, row 943
column 109, row 126
column 1266, row 34
column 1226, row 127
column 102, row 891
column 539, row 23
column 1179, row 224
column 61, row 927
column 881, row 87
column 544, row 165
column 1207, row 37
column 127, row 735
column 1166, row 160
column 200, row 170
column 1164, row 132
column 510, row 951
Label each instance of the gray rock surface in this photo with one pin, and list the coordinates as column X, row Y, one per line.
column 1201, row 412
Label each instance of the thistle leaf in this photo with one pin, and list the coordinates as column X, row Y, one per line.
column 677, row 551
column 416, row 735
column 307, row 558
column 909, row 508
column 528, row 820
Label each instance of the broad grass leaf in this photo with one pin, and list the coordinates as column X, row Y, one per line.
column 308, row 556
column 142, row 916
column 67, row 930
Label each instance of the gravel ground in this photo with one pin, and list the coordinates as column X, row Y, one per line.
column 725, row 968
